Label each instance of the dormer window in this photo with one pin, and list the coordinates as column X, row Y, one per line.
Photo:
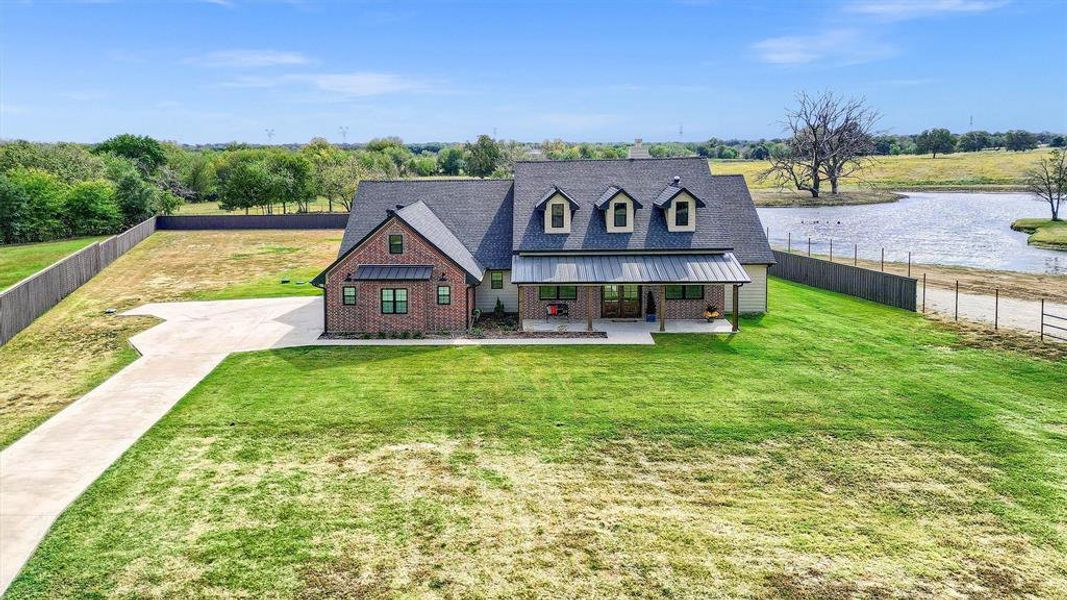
column 618, row 207
column 558, row 210
column 557, row 206
column 681, row 213
column 679, row 207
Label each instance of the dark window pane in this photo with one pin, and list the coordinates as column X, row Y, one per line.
column 621, row 212
column 673, row 292
column 396, row 244
column 629, row 292
column 388, row 305
column 681, row 214
column 694, row 291
column 568, row 292
column 401, row 307
column 496, row 280
column 348, row 296
column 547, row 292
column 444, row 294
column 611, row 293
column 557, row 216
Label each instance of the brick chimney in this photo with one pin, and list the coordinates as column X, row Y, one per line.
column 638, row 151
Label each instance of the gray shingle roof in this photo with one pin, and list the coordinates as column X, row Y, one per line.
column 477, row 211
column 671, row 191
column 729, row 221
column 423, row 220
column 610, row 193
column 629, row 268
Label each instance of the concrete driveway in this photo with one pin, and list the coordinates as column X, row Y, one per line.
column 43, row 472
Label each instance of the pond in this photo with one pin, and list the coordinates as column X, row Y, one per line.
column 950, row 228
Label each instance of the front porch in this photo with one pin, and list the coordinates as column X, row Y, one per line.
column 629, row 328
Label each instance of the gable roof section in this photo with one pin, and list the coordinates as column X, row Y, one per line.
column 671, row 192
column 419, row 217
column 476, row 211
column 552, row 192
column 611, row 192
column 727, row 223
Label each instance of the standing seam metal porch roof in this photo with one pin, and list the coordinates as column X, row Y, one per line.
column 638, row 268
column 393, row 272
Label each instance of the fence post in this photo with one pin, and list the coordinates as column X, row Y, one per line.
column 1042, row 320
column 789, row 242
column 809, row 245
column 909, row 264
column 831, row 249
column 956, row 312
column 855, row 255
column 996, row 308
column 883, row 260
column 924, row 293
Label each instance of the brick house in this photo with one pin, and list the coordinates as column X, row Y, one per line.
column 591, row 239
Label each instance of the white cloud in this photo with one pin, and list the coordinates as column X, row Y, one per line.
column 843, row 47
column 249, row 59
column 900, row 10
column 346, row 85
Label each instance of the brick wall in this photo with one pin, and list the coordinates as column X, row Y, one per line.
column 424, row 314
column 533, row 308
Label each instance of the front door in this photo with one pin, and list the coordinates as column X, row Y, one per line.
column 620, row 302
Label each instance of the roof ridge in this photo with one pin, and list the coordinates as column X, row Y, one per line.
column 438, row 180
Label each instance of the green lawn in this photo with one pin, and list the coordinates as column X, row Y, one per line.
column 1044, row 232
column 19, row 261
column 835, row 448
column 78, row 344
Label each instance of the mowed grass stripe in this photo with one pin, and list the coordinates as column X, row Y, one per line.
column 834, row 448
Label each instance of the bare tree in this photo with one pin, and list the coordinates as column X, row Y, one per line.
column 827, row 138
column 1048, row 179
column 848, row 139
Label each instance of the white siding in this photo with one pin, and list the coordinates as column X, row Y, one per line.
column 485, row 297
column 752, row 296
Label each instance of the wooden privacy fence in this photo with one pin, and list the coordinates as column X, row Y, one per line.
column 876, row 286
column 291, row 221
column 30, row 298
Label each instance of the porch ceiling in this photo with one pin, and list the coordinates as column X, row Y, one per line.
column 638, row 268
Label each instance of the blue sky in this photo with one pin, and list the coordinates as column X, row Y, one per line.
column 447, row 71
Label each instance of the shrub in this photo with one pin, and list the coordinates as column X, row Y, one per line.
column 499, row 308
column 41, row 219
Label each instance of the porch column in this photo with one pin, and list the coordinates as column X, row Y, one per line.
column 588, row 308
column 520, row 306
column 662, row 308
column 736, row 324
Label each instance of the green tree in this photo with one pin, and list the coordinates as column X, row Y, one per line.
column 1019, row 140
column 69, row 162
column 144, row 151
column 450, row 161
column 483, row 156
column 90, row 209
column 46, row 195
column 934, row 141
column 1057, row 142
column 244, row 182
column 14, row 207
column 337, row 181
column 292, row 182
column 973, row 141
column 136, row 199
column 423, row 165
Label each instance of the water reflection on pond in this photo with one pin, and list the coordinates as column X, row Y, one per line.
column 968, row 229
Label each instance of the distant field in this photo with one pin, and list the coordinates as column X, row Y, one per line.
column 76, row 345
column 992, row 170
column 19, row 261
